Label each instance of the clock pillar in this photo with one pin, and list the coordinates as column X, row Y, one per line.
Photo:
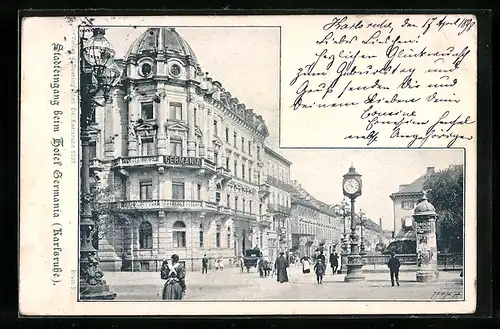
column 352, row 189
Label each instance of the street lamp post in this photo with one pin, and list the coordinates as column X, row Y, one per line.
column 345, row 245
column 98, row 73
column 362, row 222
column 345, row 241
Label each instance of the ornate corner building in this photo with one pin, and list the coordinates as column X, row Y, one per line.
column 185, row 161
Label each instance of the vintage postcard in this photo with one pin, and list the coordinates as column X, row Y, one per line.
column 246, row 165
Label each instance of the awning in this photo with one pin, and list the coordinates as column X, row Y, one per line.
column 406, row 235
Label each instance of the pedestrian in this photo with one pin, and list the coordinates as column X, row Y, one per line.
column 261, row 266
column 175, row 274
column 394, row 266
column 204, row 264
column 334, row 261
column 242, row 263
column 319, row 269
column 281, row 266
column 321, row 257
column 268, row 268
column 306, row 267
column 216, row 263
column 221, row 263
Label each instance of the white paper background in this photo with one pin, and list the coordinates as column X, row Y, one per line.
column 40, row 296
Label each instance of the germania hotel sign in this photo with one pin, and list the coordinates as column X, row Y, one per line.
column 182, row 161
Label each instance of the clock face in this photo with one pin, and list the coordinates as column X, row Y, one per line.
column 351, row 186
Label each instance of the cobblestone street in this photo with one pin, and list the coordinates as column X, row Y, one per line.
column 231, row 284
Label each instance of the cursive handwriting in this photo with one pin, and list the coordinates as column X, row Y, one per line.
column 403, row 77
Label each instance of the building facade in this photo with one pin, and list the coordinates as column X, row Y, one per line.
column 279, row 203
column 185, row 160
column 314, row 224
column 404, row 202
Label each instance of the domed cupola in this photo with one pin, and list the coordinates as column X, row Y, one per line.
column 161, row 53
column 424, row 207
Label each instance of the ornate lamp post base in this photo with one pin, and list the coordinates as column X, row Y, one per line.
column 354, row 269
column 98, row 292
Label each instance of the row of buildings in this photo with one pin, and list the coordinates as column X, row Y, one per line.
column 183, row 167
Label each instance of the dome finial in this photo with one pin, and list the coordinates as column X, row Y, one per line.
column 424, row 195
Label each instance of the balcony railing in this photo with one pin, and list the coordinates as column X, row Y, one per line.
column 224, row 174
column 280, row 184
column 143, row 160
column 444, row 261
column 277, row 208
column 245, row 215
column 225, row 210
column 164, row 160
column 95, row 164
column 145, row 205
column 264, row 190
column 265, row 221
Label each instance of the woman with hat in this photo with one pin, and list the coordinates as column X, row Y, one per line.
column 281, row 266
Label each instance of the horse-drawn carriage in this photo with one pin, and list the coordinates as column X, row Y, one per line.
column 251, row 258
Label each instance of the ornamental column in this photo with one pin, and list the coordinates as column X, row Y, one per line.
column 161, row 97
column 108, row 127
column 425, row 216
column 209, row 146
column 133, row 116
column 190, row 121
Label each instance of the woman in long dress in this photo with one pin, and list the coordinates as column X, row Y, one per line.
column 306, row 266
column 175, row 274
column 281, row 266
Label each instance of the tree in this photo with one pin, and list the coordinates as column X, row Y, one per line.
column 106, row 213
column 446, row 193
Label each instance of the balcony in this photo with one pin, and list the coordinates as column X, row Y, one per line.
column 172, row 205
column 265, row 221
column 224, row 174
column 138, row 161
column 225, row 210
column 264, row 190
column 279, row 209
column 171, row 161
column 245, row 215
column 95, row 164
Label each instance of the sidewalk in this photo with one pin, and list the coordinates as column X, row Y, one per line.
column 231, row 284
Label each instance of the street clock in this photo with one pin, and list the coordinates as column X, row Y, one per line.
column 352, row 184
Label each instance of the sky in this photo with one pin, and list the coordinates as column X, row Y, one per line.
column 246, row 62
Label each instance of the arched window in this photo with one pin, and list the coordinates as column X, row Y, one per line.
column 179, row 234
column 145, row 235
column 229, row 237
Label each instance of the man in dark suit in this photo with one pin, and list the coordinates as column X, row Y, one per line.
column 394, row 266
column 204, row 264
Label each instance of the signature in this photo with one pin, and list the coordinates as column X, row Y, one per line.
column 446, row 295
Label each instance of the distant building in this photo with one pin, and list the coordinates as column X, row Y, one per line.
column 404, row 201
column 279, row 206
column 314, row 223
column 371, row 233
